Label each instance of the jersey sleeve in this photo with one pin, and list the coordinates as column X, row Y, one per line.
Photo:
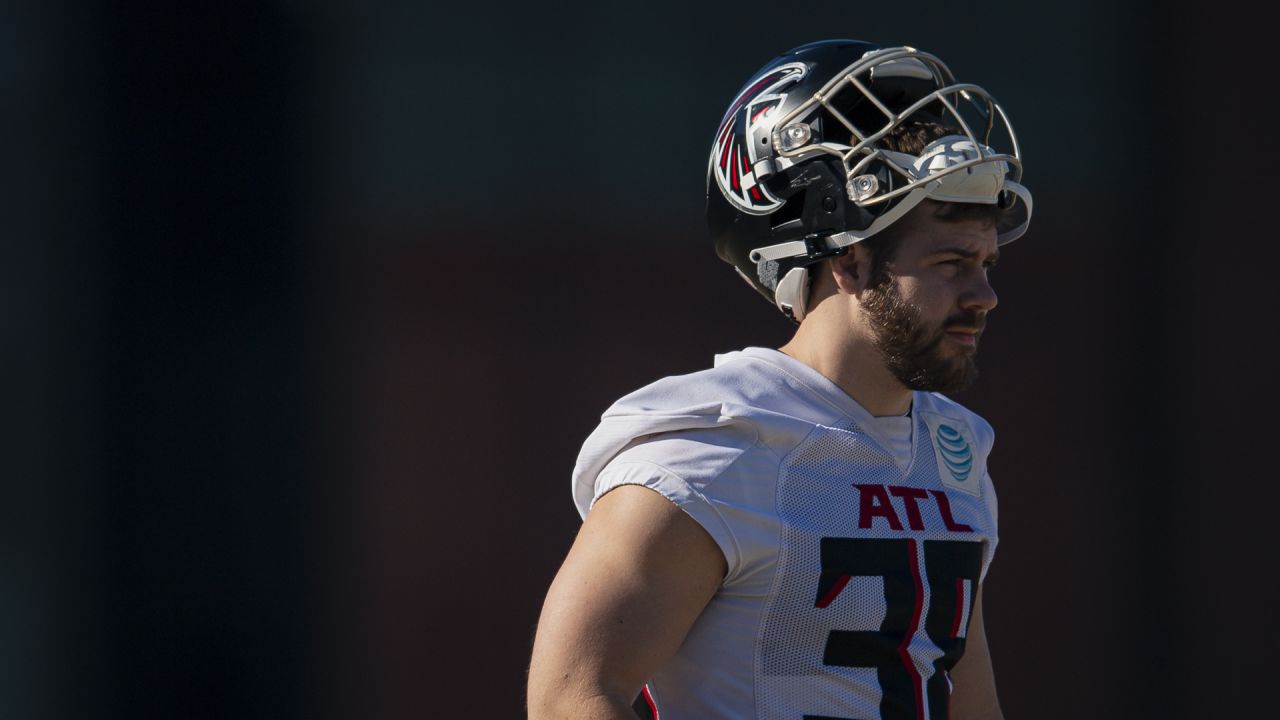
column 713, row 475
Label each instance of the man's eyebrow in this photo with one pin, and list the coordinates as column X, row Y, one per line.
column 965, row 253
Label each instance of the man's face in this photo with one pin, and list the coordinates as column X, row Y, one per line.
column 928, row 311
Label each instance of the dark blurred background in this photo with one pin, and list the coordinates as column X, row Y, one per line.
column 308, row 307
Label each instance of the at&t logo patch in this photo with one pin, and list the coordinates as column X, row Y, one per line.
column 955, row 451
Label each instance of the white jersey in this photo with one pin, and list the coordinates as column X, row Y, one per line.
column 851, row 574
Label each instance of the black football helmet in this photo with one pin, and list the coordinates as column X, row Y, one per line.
column 798, row 171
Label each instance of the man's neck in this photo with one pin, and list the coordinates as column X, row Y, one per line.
column 855, row 366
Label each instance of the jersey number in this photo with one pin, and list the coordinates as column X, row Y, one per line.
column 947, row 565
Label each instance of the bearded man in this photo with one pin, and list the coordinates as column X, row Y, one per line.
column 803, row 533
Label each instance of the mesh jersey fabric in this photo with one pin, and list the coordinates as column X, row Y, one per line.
column 850, row 577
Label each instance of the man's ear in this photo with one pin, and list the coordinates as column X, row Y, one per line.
column 852, row 270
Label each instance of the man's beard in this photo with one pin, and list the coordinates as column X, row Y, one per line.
column 911, row 350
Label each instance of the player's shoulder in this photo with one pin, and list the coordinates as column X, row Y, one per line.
column 698, row 425
column 727, row 381
column 689, row 391
column 739, row 401
column 750, row 382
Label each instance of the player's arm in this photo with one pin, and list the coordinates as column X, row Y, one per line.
column 639, row 573
column 974, row 697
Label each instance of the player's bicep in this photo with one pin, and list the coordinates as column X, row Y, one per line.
column 638, row 575
column 974, row 697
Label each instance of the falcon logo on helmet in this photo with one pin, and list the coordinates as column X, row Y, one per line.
column 733, row 160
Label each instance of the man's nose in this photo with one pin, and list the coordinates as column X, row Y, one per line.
column 979, row 295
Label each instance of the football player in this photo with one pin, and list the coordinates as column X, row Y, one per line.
column 803, row 533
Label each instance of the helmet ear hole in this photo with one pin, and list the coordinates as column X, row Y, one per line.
column 824, row 197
